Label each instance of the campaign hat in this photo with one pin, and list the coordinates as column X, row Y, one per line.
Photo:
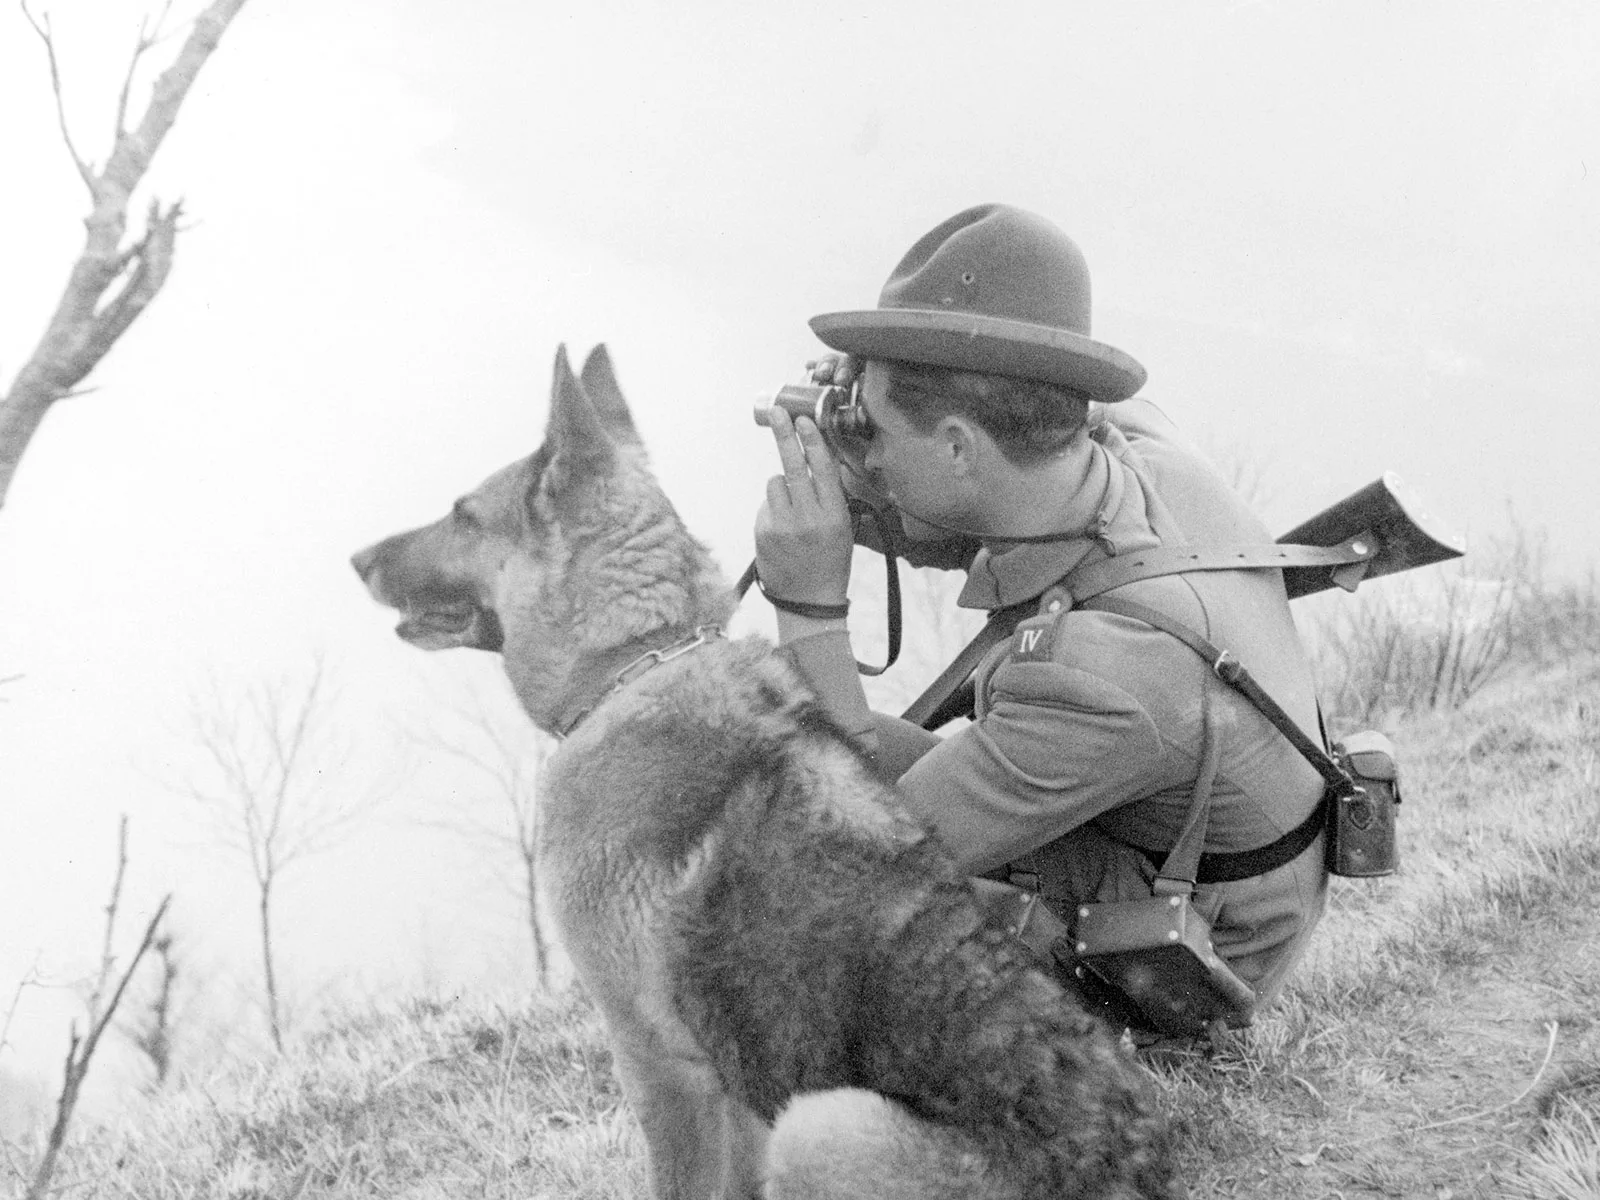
column 994, row 289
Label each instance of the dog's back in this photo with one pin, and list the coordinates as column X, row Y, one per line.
column 801, row 995
column 817, row 941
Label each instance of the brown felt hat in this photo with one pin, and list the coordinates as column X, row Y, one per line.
column 992, row 289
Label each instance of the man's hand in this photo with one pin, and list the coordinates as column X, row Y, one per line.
column 838, row 369
column 954, row 553
column 803, row 535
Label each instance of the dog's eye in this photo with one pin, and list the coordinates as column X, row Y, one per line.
column 463, row 515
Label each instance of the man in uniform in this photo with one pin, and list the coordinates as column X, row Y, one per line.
column 997, row 423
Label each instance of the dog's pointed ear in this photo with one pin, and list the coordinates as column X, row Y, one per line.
column 600, row 382
column 575, row 439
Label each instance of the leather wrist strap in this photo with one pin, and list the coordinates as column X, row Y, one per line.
column 800, row 608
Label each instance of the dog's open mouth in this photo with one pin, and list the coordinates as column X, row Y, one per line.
column 445, row 626
column 436, row 622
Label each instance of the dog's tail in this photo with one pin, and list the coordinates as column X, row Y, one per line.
column 851, row 1144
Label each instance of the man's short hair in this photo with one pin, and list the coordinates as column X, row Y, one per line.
column 1029, row 420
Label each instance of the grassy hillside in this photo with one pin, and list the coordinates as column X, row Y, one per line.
column 1441, row 1041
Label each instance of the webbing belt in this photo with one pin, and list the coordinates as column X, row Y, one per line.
column 1230, row 867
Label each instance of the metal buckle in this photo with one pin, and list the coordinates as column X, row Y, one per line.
column 654, row 658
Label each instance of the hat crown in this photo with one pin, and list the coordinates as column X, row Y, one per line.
column 993, row 289
column 995, row 261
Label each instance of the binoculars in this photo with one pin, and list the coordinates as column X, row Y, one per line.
column 836, row 410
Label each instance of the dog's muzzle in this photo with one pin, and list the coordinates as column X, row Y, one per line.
column 434, row 617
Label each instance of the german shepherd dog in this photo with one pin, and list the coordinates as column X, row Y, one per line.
column 802, row 996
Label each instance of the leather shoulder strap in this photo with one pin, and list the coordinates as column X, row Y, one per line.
column 950, row 695
column 1233, row 673
column 1092, row 579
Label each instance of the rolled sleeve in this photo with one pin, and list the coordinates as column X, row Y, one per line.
column 1056, row 747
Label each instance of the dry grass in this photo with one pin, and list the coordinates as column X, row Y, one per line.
column 1406, row 1011
column 1396, row 1064
column 1433, row 639
column 428, row 1100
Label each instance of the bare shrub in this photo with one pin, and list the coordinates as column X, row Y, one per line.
column 152, row 1027
column 505, row 755
column 270, row 788
column 1432, row 640
column 106, row 991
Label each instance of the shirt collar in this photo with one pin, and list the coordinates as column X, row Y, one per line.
column 1110, row 511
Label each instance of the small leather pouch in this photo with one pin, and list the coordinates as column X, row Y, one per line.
column 1157, row 952
column 1361, row 836
column 1023, row 914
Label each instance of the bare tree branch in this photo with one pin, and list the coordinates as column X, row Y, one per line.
column 102, row 1007
column 148, row 38
column 48, row 38
column 270, row 790
column 151, row 1030
column 509, row 764
column 30, row 978
column 107, row 958
column 86, row 324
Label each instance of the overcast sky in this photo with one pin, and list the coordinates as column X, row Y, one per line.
column 1343, row 238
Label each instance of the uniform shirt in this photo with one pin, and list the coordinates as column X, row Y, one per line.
column 1089, row 747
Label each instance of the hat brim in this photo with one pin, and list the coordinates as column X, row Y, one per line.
column 969, row 342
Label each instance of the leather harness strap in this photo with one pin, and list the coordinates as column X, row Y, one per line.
column 1218, row 867
column 951, row 695
column 1093, row 578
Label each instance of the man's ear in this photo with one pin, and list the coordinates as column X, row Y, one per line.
column 961, row 443
column 576, row 444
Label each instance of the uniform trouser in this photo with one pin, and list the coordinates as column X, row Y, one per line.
column 1260, row 926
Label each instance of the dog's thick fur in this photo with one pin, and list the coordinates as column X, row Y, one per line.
column 802, row 996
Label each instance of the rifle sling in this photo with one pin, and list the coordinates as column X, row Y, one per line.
column 950, row 696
